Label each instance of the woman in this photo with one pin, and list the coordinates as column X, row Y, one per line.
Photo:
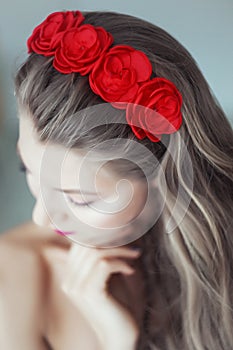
column 90, row 80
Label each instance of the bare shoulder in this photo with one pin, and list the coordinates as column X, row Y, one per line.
column 21, row 277
column 17, row 246
column 19, row 251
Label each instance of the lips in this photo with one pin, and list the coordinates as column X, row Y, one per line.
column 63, row 233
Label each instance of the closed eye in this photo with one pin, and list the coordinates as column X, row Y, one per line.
column 79, row 204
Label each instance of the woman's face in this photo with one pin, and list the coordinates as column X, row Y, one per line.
column 99, row 216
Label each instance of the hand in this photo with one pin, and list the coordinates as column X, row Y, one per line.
column 87, row 273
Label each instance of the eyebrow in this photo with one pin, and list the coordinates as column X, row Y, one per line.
column 57, row 189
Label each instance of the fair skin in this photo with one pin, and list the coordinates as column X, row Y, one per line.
column 79, row 275
column 52, row 169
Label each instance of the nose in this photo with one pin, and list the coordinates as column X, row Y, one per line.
column 45, row 214
column 40, row 215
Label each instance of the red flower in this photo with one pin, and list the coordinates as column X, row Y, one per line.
column 118, row 73
column 80, row 48
column 46, row 36
column 156, row 110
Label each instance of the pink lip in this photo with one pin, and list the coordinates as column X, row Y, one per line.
column 63, row 233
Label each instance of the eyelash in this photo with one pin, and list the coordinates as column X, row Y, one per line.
column 22, row 167
column 76, row 204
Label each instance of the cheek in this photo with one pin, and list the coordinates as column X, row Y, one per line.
column 128, row 211
column 122, row 214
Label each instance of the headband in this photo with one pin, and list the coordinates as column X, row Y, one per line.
column 120, row 74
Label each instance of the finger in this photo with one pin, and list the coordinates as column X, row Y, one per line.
column 75, row 265
column 57, row 253
column 82, row 261
column 77, row 272
column 103, row 252
column 86, row 262
column 97, row 283
column 75, row 252
column 119, row 251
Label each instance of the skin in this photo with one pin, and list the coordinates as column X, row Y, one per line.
column 85, row 271
column 50, row 166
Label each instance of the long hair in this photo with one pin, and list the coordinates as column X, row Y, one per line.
column 188, row 273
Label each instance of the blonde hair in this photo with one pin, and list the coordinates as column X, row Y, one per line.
column 189, row 271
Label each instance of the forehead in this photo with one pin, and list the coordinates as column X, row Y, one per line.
column 48, row 159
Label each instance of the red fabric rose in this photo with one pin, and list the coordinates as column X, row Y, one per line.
column 80, row 48
column 46, row 36
column 156, row 110
column 118, row 73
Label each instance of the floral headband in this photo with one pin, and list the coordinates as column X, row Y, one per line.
column 120, row 74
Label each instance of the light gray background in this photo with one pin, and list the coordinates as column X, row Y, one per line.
column 204, row 27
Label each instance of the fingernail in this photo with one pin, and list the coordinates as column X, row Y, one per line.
column 136, row 248
column 138, row 251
